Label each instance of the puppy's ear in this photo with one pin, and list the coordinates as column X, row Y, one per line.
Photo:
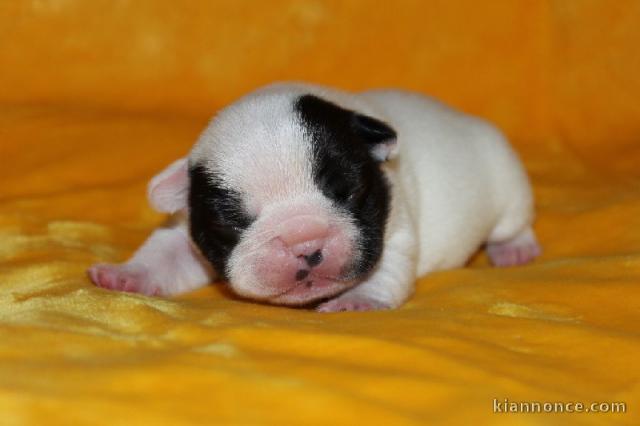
column 380, row 137
column 169, row 190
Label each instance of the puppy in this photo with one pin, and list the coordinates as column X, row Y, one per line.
column 298, row 194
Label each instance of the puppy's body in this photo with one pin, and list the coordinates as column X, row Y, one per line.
column 463, row 187
column 298, row 193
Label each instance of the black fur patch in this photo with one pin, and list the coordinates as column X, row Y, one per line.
column 346, row 172
column 372, row 131
column 217, row 217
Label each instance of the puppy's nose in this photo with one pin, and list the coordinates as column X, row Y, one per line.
column 304, row 235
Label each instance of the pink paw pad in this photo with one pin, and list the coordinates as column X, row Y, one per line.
column 512, row 254
column 122, row 278
column 343, row 304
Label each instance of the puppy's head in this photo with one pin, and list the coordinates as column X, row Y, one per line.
column 286, row 196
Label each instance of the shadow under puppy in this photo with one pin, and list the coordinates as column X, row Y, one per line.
column 298, row 193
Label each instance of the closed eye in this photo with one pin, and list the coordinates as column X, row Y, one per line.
column 336, row 187
column 357, row 194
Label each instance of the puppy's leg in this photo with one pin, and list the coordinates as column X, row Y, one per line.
column 512, row 241
column 520, row 249
column 166, row 264
column 389, row 285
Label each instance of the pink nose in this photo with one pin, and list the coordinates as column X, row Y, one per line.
column 304, row 234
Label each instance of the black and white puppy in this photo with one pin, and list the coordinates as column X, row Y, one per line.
column 299, row 193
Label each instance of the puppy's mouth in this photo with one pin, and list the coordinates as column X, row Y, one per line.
column 309, row 289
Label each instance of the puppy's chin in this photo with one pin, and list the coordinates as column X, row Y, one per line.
column 312, row 288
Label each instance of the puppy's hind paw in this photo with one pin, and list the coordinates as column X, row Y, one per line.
column 517, row 251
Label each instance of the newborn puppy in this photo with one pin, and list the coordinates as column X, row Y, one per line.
column 298, row 194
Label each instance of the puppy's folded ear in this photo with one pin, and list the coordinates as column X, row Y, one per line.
column 168, row 191
column 381, row 138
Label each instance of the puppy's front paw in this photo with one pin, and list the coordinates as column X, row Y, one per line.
column 352, row 303
column 129, row 278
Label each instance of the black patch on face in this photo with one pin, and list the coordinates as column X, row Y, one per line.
column 345, row 171
column 217, row 217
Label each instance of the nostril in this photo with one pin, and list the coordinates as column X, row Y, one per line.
column 314, row 259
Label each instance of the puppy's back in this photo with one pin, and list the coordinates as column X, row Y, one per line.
column 460, row 177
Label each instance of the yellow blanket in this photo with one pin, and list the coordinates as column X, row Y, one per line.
column 95, row 97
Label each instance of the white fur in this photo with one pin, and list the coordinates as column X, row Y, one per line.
column 456, row 184
column 258, row 151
